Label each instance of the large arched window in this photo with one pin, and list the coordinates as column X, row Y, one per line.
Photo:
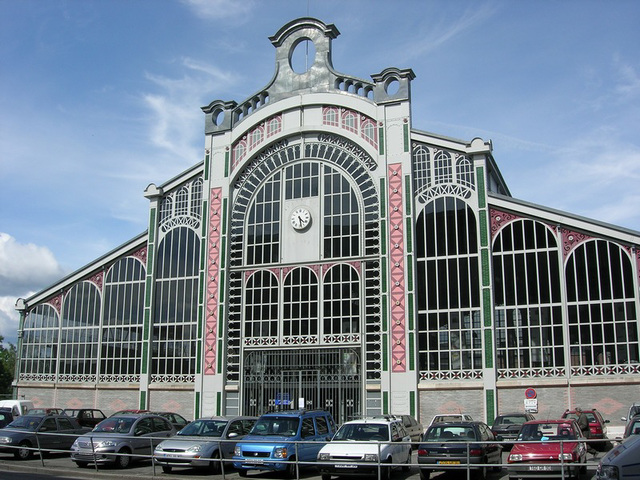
column 176, row 307
column 528, row 304
column 261, row 305
column 603, row 325
column 448, row 289
column 39, row 344
column 300, row 303
column 341, row 306
column 120, row 359
column 80, row 334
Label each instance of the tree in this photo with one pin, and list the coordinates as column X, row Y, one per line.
column 7, row 366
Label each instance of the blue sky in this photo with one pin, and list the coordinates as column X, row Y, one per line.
column 100, row 98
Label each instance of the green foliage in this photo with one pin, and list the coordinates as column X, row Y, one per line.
column 7, row 366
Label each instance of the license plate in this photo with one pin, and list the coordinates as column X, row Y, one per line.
column 254, row 461
column 345, row 465
column 448, row 462
column 540, row 468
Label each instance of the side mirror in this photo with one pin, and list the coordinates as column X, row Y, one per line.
column 233, row 435
column 607, row 421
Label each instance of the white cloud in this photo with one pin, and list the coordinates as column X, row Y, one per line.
column 25, row 266
column 9, row 320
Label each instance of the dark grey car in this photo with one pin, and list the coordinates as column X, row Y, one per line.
column 27, row 433
column 121, row 439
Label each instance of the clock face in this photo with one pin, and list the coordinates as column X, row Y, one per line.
column 300, row 218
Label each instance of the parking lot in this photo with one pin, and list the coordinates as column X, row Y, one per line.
column 59, row 465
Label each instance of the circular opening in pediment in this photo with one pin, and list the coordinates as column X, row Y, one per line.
column 302, row 56
column 392, row 86
column 217, row 117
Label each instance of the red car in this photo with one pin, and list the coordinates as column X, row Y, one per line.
column 545, row 447
column 597, row 426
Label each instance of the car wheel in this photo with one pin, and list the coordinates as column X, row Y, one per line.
column 290, row 471
column 166, row 468
column 24, row 451
column 123, row 459
column 82, row 464
column 407, row 466
column 214, row 464
column 425, row 474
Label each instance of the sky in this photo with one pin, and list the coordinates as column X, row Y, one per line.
column 98, row 99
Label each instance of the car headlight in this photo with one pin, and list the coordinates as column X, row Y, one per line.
column 159, row 448
column 607, row 472
column 324, row 457
column 567, row 457
column 237, row 451
column 515, row 457
column 5, row 440
column 194, row 449
column 105, row 443
column 370, row 457
column 280, row 452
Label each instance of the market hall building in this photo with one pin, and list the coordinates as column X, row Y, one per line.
column 326, row 253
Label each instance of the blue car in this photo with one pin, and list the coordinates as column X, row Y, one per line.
column 279, row 439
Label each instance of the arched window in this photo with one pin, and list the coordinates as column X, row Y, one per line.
column 442, row 172
column 350, row 121
column 300, row 303
column 421, row 168
column 261, row 305
column 528, row 305
column 369, row 132
column 80, row 333
column 176, row 307
column 255, row 137
column 448, row 288
column 196, row 199
column 341, row 308
column 39, row 344
column 274, row 125
column 121, row 349
column 341, row 216
column 182, row 202
column 464, row 172
column 330, row 116
column 263, row 224
column 603, row 322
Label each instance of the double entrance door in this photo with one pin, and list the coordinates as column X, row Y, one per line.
column 329, row 379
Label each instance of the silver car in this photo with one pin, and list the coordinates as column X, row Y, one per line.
column 202, row 443
column 622, row 461
column 121, row 439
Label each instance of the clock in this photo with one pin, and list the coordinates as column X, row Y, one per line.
column 300, row 218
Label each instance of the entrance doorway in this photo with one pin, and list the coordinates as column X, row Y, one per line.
column 289, row 379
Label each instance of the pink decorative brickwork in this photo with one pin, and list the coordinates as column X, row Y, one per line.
column 141, row 255
column 396, row 269
column 570, row 240
column 213, row 279
column 97, row 280
column 499, row 219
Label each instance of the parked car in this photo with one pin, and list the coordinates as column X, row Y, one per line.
column 87, row 417
column 128, row 412
column 269, row 445
column 633, row 427
column 597, row 426
column 545, row 447
column 450, row 417
column 18, row 407
column 6, row 417
column 621, row 462
column 360, row 446
column 202, row 443
column 28, row 433
column 177, row 420
column 507, row 426
column 121, row 439
column 412, row 426
column 633, row 411
column 45, row 411
column 448, row 445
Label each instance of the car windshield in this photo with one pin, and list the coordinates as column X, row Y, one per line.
column 447, row 418
column 363, row 432
column 543, row 432
column 510, row 420
column 115, row 425
column 25, row 422
column 450, row 433
column 590, row 415
column 204, row 428
column 285, row 426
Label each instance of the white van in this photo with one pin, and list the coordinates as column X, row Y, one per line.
column 18, row 407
